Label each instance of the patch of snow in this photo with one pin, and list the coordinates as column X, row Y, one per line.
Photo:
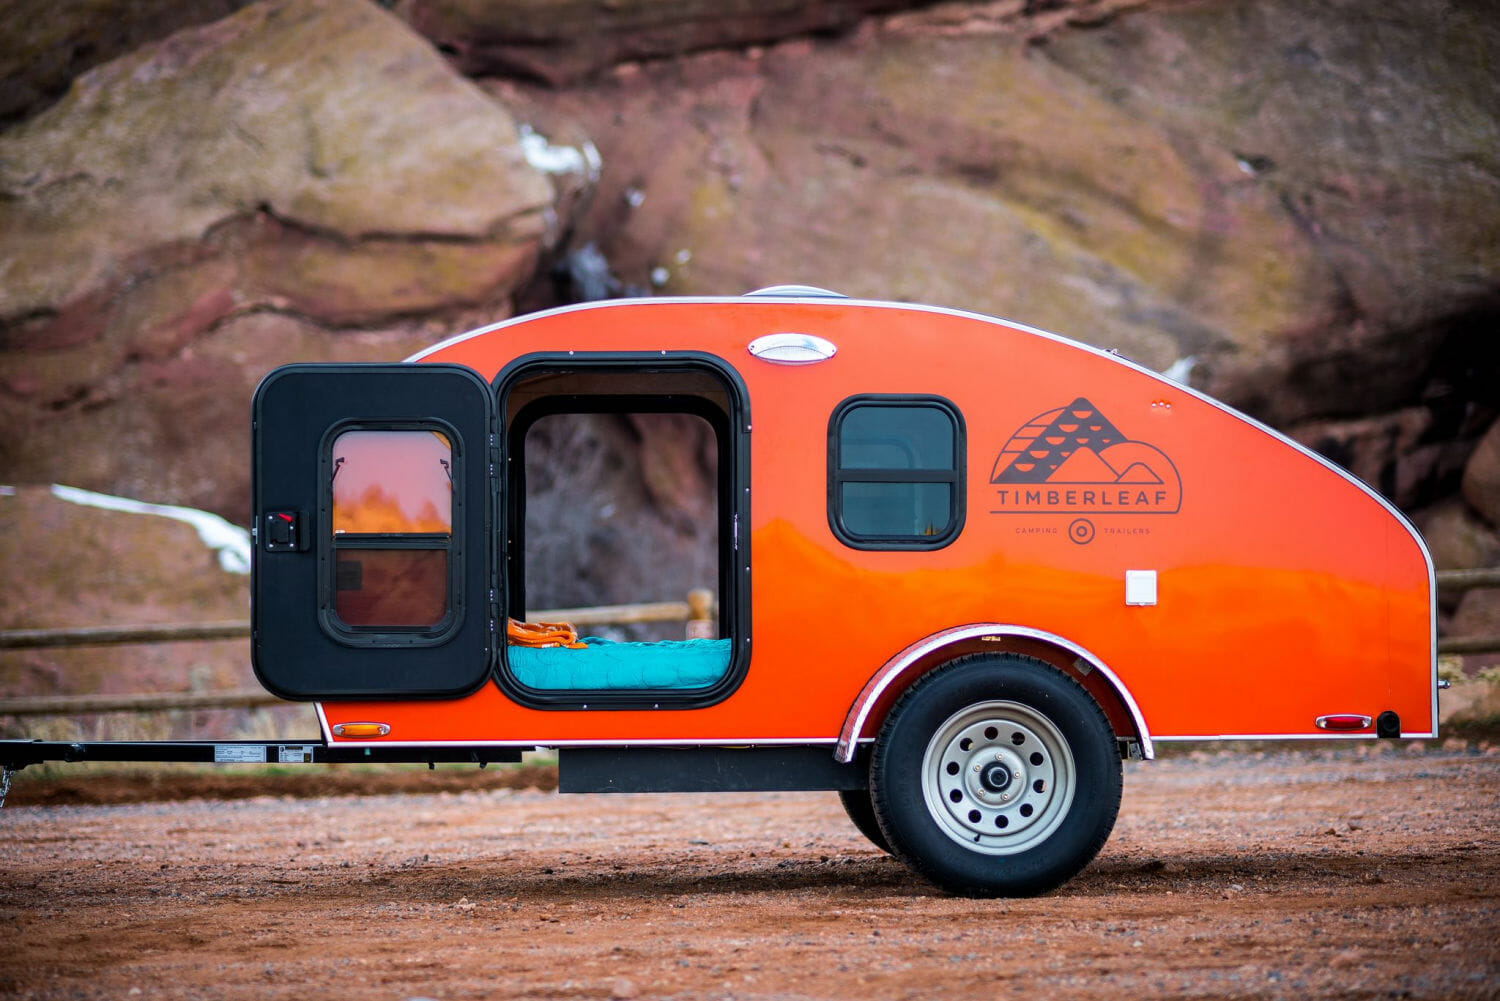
column 588, row 271
column 550, row 159
column 230, row 541
column 1181, row 369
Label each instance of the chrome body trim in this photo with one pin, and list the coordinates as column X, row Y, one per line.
column 1332, row 735
column 551, row 743
column 881, row 681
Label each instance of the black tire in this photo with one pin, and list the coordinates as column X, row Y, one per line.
column 996, row 775
column 860, row 810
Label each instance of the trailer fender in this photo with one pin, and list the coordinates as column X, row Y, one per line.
column 939, row 648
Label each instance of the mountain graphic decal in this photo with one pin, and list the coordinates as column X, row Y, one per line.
column 1075, row 460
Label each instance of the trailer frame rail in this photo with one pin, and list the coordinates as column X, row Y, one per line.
column 18, row 754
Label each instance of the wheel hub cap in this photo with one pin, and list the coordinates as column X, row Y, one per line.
column 998, row 777
column 995, row 777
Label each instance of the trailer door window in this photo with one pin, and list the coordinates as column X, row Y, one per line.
column 392, row 523
column 895, row 472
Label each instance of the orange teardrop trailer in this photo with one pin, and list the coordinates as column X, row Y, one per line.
column 964, row 568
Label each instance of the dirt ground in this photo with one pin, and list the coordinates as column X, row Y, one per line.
column 1351, row 873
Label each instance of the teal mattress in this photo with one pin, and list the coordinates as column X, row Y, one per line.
column 612, row 666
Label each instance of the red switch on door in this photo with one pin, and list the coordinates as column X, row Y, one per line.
column 283, row 531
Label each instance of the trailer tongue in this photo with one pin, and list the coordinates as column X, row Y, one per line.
column 18, row 754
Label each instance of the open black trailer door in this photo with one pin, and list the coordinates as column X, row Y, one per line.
column 374, row 566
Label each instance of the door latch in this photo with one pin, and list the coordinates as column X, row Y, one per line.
column 283, row 532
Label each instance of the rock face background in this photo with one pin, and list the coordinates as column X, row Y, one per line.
column 1297, row 200
column 305, row 178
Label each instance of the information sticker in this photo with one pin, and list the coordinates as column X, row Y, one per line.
column 254, row 754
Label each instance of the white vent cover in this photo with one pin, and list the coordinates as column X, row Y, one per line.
column 797, row 292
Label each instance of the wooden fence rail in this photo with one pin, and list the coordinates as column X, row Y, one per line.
column 697, row 607
column 141, row 702
column 38, row 639
column 697, row 611
column 1468, row 580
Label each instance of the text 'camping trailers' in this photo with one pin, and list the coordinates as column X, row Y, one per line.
column 964, row 567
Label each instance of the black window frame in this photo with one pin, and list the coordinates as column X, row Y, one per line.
column 839, row 475
column 329, row 545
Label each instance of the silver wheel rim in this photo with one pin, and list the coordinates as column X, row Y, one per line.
column 998, row 777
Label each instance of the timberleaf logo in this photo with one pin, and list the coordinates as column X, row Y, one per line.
column 1073, row 460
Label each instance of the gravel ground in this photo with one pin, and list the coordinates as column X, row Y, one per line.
column 1358, row 872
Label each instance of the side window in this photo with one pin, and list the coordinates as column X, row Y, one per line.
column 392, row 524
column 896, row 472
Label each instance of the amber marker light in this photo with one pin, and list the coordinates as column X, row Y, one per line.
column 1343, row 721
column 361, row 729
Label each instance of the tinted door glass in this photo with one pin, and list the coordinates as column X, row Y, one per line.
column 392, row 528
